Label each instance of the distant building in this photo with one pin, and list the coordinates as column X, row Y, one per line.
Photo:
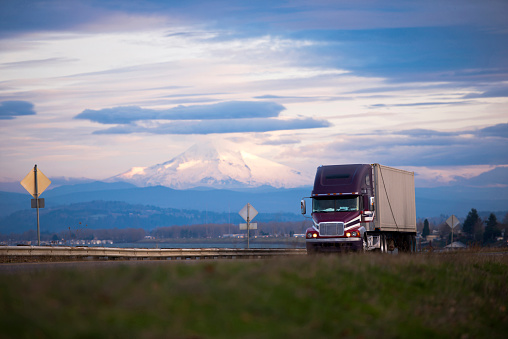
column 432, row 237
column 456, row 245
column 234, row 236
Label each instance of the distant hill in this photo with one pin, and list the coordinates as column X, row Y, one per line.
column 282, row 203
column 459, row 200
column 264, row 200
column 121, row 215
column 433, row 201
column 11, row 202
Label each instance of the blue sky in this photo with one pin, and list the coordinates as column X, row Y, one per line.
column 93, row 88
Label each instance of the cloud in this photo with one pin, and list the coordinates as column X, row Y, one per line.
column 118, row 115
column 497, row 177
column 224, row 117
column 269, row 96
column 294, row 99
column 411, row 54
column 425, row 133
column 223, row 110
column 418, row 147
column 76, row 15
column 219, row 126
column 49, row 62
column 21, row 16
column 262, row 15
column 398, row 40
column 420, row 104
column 498, row 92
column 12, row 109
column 500, row 130
column 281, row 141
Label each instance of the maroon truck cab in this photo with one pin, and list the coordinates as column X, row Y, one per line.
column 342, row 205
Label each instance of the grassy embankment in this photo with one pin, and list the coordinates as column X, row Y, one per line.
column 462, row 295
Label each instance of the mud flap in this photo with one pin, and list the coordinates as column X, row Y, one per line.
column 373, row 242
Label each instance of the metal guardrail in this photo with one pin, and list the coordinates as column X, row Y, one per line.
column 46, row 253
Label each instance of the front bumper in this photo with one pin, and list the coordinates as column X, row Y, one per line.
column 328, row 245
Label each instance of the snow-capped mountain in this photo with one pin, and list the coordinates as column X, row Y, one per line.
column 207, row 166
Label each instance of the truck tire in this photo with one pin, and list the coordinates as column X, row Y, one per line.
column 409, row 243
column 384, row 247
column 405, row 243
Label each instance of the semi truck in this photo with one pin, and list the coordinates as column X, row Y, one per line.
column 361, row 207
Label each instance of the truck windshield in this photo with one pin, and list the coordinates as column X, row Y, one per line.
column 335, row 204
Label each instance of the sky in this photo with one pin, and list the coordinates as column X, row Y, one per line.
column 90, row 89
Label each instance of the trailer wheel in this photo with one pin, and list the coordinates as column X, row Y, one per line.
column 405, row 243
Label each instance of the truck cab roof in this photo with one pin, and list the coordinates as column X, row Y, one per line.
column 342, row 179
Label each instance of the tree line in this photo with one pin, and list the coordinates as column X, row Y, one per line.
column 127, row 235
column 477, row 230
column 121, row 215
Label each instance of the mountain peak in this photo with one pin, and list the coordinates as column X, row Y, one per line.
column 206, row 165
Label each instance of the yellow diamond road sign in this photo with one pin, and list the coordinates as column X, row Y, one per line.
column 29, row 183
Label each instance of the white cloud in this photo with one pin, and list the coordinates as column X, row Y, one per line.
column 366, row 89
column 222, row 110
column 221, row 126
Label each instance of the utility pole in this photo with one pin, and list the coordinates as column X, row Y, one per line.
column 36, row 195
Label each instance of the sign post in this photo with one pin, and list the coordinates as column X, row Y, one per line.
column 248, row 213
column 452, row 222
column 35, row 183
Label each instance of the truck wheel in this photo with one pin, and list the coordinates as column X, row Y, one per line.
column 383, row 243
column 409, row 244
column 405, row 243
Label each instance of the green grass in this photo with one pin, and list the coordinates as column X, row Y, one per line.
column 357, row 296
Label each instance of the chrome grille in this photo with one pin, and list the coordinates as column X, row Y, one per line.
column 331, row 228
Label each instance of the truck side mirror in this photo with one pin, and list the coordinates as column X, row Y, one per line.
column 303, row 207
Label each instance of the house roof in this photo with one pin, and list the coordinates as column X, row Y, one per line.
column 456, row 244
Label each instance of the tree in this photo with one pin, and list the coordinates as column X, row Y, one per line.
column 426, row 228
column 479, row 229
column 471, row 221
column 444, row 230
column 504, row 226
column 491, row 231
